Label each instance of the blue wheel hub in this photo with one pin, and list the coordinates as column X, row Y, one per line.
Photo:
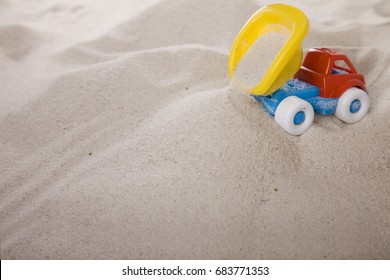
column 299, row 118
column 355, row 106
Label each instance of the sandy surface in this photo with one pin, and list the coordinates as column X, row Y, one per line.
column 120, row 137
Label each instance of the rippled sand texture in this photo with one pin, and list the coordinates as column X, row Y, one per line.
column 120, row 137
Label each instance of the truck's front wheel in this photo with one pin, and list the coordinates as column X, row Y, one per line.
column 294, row 115
column 352, row 106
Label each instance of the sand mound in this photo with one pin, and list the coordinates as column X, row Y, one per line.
column 121, row 138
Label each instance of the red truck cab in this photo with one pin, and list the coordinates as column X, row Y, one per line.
column 331, row 71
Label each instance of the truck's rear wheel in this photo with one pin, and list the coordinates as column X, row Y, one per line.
column 294, row 115
column 352, row 105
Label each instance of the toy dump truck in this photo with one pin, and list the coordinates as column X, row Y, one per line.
column 326, row 82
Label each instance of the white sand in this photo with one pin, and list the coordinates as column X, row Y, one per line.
column 121, row 138
column 255, row 63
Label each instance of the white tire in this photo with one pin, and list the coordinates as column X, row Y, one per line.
column 352, row 106
column 294, row 115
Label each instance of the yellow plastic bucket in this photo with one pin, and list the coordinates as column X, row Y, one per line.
column 289, row 58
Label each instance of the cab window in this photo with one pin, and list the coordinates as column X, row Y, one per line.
column 340, row 67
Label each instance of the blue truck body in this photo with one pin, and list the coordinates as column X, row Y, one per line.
column 303, row 90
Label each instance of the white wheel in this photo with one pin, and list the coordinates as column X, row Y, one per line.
column 353, row 105
column 294, row 115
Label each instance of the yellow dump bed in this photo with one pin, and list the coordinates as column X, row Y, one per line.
column 289, row 58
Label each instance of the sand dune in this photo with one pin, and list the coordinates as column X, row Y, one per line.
column 120, row 137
